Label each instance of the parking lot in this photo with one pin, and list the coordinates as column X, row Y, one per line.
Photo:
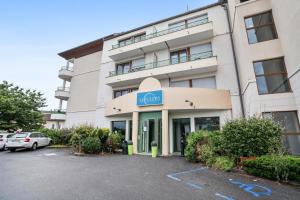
column 57, row 174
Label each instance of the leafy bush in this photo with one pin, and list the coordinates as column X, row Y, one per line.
column 58, row 136
column 206, row 153
column 223, row 163
column 276, row 167
column 216, row 143
column 91, row 145
column 251, row 137
column 79, row 135
column 115, row 141
column 193, row 147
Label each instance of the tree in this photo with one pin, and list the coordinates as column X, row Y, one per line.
column 19, row 108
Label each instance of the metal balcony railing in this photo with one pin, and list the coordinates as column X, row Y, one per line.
column 63, row 89
column 66, row 68
column 162, row 63
column 163, row 32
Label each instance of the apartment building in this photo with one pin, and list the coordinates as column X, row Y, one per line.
column 185, row 73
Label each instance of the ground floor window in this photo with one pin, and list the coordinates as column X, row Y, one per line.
column 290, row 124
column 119, row 126
column 181, row 128
column 207, row 123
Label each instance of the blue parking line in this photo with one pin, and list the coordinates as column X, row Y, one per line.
column 223, row 196
column 194, row 185
column 173, row 175
column 250, row 187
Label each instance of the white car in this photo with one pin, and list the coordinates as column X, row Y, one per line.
column 3, row 139
column 28, row 140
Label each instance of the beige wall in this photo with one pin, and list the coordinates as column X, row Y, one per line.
column 246, row 54
column 82, row 103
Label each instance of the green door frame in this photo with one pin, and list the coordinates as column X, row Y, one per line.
column 143, row 134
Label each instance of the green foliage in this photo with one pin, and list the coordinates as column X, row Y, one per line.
column 91, row 145
column 223, row 163
column 19, row 108
column 251, row 137
column 58, row 136
column 115, row 141
column 194, row 142
column 79, row 134
column 206, row 153
column 216, row 143
column 276, row 167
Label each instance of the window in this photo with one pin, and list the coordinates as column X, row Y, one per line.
column 188, row 23
column 119, row 126
column 201, row 51
column 260, row 28
column 209, row 82
column 119, row 93
column 207, row 123
column 138, row 64
column 271, row 76
column 123, row 68
column 132, row 39
column 290, row 124
column 179, row 56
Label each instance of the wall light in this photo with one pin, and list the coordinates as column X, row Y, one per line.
column 117, row 109
column 191, row 103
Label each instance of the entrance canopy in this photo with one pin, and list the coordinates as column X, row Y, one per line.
column 152, row 97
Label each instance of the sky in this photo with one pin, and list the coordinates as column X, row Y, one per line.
column 32, row 32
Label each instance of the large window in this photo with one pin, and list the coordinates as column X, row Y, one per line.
column 290, row 124
column 209, row 82
column 123, row 68
column 130, row 66
column 119, row 126
column 260, row 27
column 271, row 76
column 207, row 123
column 119, row 93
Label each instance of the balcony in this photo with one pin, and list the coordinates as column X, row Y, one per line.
column 65, row 73
column 58, row 116
column 171, row 68
column 62, row 93
column 169, row 38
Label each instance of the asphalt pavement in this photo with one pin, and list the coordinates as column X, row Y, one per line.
column 48, row 174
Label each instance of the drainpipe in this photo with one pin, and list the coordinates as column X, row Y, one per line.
column 225, row 5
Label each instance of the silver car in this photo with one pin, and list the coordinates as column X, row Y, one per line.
column 27, row 140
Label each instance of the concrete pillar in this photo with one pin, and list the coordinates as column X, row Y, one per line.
column 165, row 132
column 135, row 129
column 127, row 130
column 192, row 124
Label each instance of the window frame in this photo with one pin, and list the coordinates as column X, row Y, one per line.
column 123, row 65
column 178, row 51
column 131, row 38
column 199, row 117
column 272, row 24
column 191, row 80
column 272, row 74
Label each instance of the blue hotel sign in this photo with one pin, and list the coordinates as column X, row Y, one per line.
column 150, row 98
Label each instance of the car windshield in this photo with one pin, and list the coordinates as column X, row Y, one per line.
column 20, row 135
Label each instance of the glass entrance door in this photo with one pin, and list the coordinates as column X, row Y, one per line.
column 181, row 128
column 149, row 130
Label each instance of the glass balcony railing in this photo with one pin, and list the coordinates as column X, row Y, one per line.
column 161, row 33
column 66, row 68
column 63, row 89
column 162, row 63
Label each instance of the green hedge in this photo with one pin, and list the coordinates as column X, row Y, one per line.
column 274, row 167
column 91, row 145
column 58, row 136
column 194, row 141
column 251, row 137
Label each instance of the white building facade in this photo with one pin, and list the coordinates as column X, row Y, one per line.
column 185, row 73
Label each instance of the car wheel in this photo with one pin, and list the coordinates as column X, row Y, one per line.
column 34, row 146
column 12, row 150
column 50, row 143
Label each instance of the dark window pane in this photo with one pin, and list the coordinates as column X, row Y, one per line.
column 261, row 34
column 118, row 94
column 258, row 20
column 207, row 123
column 273, row 66
column 292, row 144
column 119, row 126
column 277, row 83
column 287, row 120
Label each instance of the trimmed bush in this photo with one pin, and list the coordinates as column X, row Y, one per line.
column 58, row 136
column 281, row 168
column 79, row 135
column 251, row 137
column 192, row 150
column 91, row 145
column 216, row 143
column 206, row 153
column 223, row 163
column 115, row 141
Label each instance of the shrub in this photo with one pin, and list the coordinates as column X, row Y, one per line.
column 79, row 134
column 251, row 137
column 216, row 143
column 206, row 153
column 91, row 145
column 58, row 136
column 115, row 141
column 193, row 147
column 223, row 163
column 276, row 167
